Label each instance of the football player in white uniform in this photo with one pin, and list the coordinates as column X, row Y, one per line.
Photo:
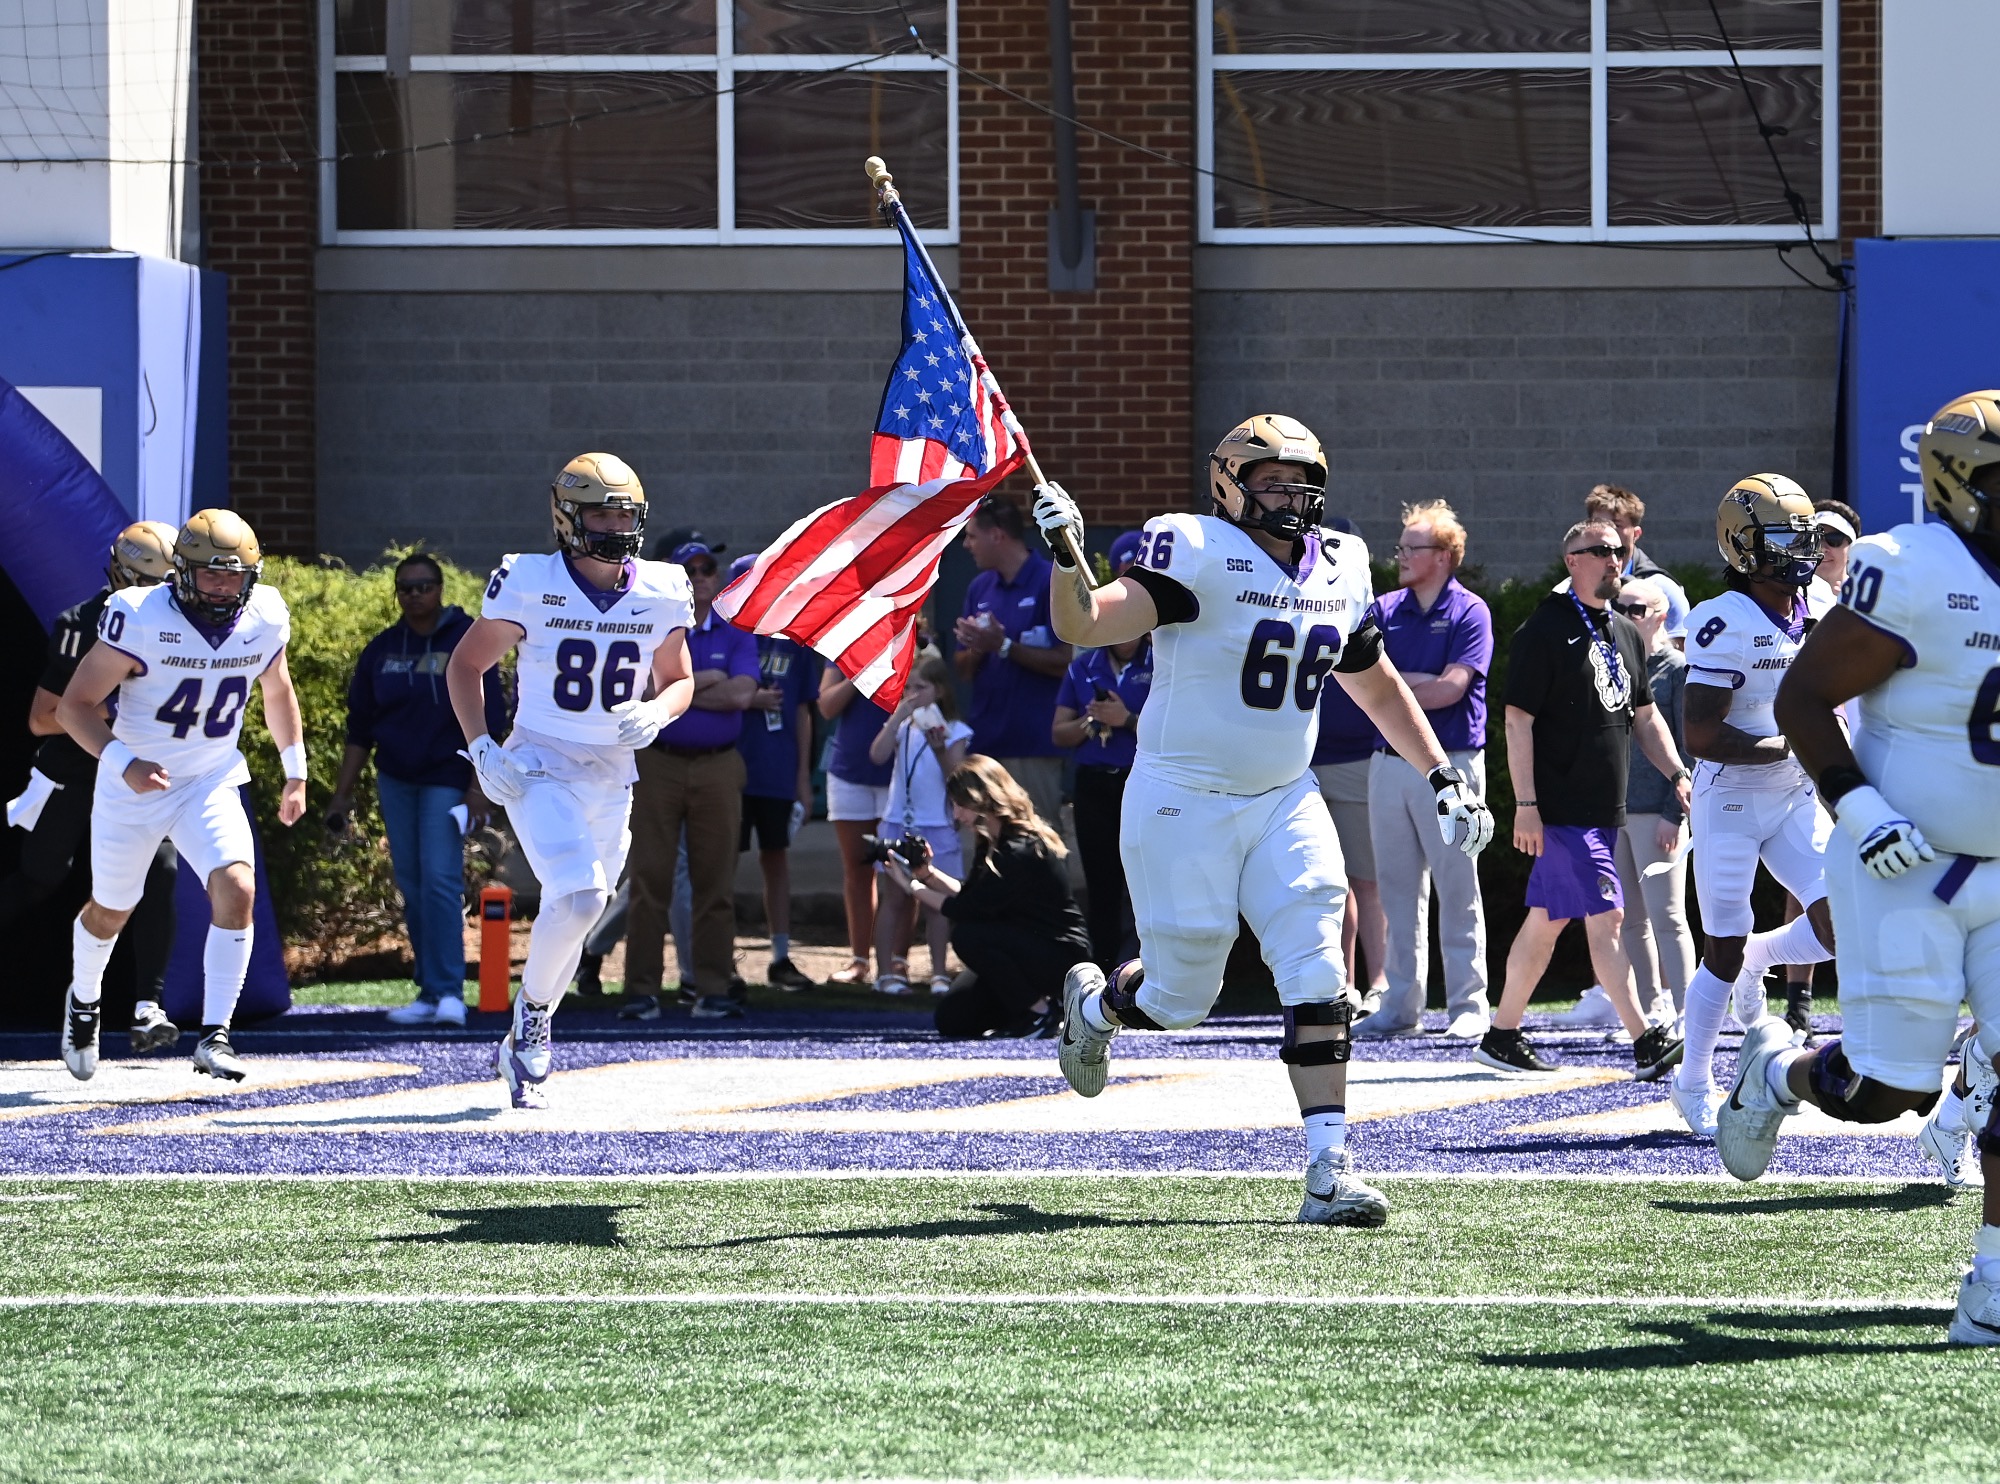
column 1752, row 800
column 182, row 657
column 1251, row 610
column 603, row 667
column 1915, row 884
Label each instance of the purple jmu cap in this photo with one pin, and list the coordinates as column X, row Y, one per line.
column 1125, row 549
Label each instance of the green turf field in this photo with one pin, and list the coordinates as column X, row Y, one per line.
column 1004, row 1327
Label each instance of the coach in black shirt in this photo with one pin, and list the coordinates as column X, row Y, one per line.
column 1576, row 700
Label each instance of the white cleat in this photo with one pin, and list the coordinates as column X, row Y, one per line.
column 215, row 1057
column 1747, row 1004
column 1085, row 1053
column 1697, row 1107
column 1747, row 1123
column 1954, row 1147
column 524, row 1055
column 1336, row 1196
column 1977, row 1321
column 1950, row 1149
column 79, row 1037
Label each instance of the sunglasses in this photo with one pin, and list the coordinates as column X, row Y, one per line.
column 413, row 589
column 1601, row 550
column 701, row 569
column 1632, row 610
column 1833, row 539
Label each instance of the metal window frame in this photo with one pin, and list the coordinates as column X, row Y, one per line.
column 1599, row 61
column 723, row 62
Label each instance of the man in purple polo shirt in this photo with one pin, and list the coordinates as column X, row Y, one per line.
column 1010, row 654
column 692, row 778
column 1097, row 713
column 1440, row 636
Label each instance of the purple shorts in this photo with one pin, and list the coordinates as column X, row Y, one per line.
column 1576, row 875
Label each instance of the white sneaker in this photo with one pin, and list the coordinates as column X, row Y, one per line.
column 1954, row 1148
column 1085, row 1052
column 1379, row 1027
column 1950, row 1149
column 524, row 1055
column 451, row 1010
column 1696, row 1106
column 1336, row 1196
column 1469, row 1025
column 1977, row 1321
column 1595, row 1008
column 215, row 1056
column 79, row 1036
column 417, row 1012
column 1747, row 1123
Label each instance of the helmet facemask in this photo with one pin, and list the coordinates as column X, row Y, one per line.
column 1304, row 504
column 217, row 613
column 605, row 546
column 1789, row 554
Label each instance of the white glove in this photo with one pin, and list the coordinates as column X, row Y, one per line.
column 639, row 722
column 1890, row 844
column 1463, row 820
column 501, row 776
column 1055, row 512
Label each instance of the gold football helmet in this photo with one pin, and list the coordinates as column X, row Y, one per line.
column 1957, row 453
column 1765, row 527
column 598, row 479
column 1257, row 440
column 215, row 541
column 142, row 555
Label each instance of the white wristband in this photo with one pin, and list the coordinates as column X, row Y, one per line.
column 117, row 757
column 1862, row 810
column 294, row 759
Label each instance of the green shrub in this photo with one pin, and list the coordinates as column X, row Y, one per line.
column 330, row 895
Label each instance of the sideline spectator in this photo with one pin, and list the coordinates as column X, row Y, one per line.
column 397, row 707
column 1010, row 655
column 1652, row 843
column 777, row 780
column 1014, row 922
column 1097, row 714
column 1440, row 636
column 692, row 778
column 923, row 742
column 857, row 796
column 1627, row 512
column 1573, row 708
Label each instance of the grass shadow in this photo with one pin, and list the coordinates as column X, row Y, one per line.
column 528, row 1226
column 1004, row 1219
column 1916, row 1196
column 1682, row 1343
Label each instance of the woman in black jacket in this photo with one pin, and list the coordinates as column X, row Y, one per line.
column 1013, row 921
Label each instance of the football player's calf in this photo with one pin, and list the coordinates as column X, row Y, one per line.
column 1951, row 1130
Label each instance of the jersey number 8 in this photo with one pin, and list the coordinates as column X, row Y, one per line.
column 1265, row 670
column 576, row 682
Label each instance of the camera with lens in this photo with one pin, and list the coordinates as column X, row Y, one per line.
column 911, row 848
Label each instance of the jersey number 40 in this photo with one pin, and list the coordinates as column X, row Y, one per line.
column 183, row 708
column 1267, row 668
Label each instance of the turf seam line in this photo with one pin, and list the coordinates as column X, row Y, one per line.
column 972, row 1300
column 891, row 1172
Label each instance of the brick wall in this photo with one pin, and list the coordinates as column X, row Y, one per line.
column 259, row 215
column 1101, row 381
column 1860, row 119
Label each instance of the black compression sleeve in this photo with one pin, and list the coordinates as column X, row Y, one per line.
column 1174, row 602
column 1362, row 650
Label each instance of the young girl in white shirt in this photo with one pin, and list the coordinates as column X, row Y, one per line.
column 923, row 741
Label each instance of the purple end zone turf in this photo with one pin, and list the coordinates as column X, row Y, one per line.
column 1478, row 1137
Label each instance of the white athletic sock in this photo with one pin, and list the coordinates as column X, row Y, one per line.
column 1707, row 998
column 1986, row 1255
column 225, row 960
column 1794, row 943
column 1778, row 1071
column 1326, row 1128
column 1951, row 1110
column 555, row 947
column 781, row 947
column 1092, row 1008
column 88, row 954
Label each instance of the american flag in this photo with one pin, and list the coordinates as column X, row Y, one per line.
column 848, row 579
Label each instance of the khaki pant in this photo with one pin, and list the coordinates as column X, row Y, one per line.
column 1656, row 933
column 704, row 794
column 1411, row 857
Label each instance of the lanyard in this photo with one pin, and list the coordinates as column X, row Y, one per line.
column 917, row 754
column 1605, row 647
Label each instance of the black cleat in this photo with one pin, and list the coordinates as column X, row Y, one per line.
column 1798, row 1015
column 1655, row 1053
column 151, row 1030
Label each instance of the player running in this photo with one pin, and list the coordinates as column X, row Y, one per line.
column 1250, row 609
column 1752, row 800
column 603, row 667
column 181, row 656
column 1916, row 884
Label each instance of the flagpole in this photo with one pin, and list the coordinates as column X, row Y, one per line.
column 890, row 202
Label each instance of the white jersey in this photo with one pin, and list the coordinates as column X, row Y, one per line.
column 1235, row 701
column 583, row 651
column 184, row 709
column 1929, row 737
column 1737, row 644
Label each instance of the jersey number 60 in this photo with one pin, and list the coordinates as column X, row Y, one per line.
column 1265, row 670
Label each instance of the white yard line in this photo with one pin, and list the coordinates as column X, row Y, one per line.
column 790, row 1176
column 1925, row 1303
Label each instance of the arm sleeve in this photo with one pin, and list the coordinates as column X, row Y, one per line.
column 743, row 655
column 361, row 697
column 501, row 600
column 1632, row 655
column 1715, row 644
column 1879, row 588
column 1472, row 639
column 1070, row 692
column 1528, row 671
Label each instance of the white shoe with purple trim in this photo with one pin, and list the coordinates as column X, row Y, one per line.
column 524, row 1055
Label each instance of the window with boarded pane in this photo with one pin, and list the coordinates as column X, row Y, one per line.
column 633, row 120
column 1559, row 120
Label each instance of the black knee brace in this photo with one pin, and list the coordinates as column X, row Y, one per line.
column 1845, row 1094
column 1121, row 1000
column 1329, row 1051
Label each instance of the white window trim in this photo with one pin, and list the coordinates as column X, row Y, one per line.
column 1599, row 61
column 722, row 63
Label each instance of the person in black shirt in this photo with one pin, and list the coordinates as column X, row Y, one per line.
column 55, row 810
column 1013, row 920
column 1573, row 711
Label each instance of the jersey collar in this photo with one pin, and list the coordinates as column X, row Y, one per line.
column 604, row 598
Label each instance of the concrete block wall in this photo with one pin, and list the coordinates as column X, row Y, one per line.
column 1511, row 404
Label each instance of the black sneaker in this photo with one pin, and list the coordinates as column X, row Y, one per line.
column 641, row 1007
column 716, row 1007
column 787, row 975
column 1798, row 1015
column 684, row 995
column 1509, row 1051
column 739, row 989
column 1655, row 1053
column 589, row 975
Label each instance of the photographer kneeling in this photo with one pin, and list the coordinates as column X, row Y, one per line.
column 1013, row 921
